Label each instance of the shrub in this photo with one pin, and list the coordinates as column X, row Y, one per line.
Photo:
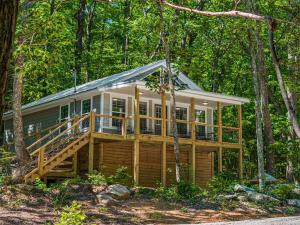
column 72, row 215
column 40, row 185
column 222, row 183
column 96, row 178
column 181, row 191
column 120, row 177
column 290, row 211
column 283, row 191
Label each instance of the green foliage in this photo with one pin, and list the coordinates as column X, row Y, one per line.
column 40, row 185
column 121, row 176
column 96, row 178
column 283, row 191
column 72, row 215
column 290, row 211
column 182, row 191
column 2, row 180
column 222, row 183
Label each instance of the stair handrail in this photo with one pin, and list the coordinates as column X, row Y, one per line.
column 49, row 134
column 61, row 134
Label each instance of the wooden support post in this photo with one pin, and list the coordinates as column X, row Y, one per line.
column 240, row 142
column 91, row 155
column 75, row 166
column 91, row 143
column 136, row 152
column 193, row 136
column 101, row 156
column 92, row 121
column 41, row 160
column 164, row 143
column 220, row 135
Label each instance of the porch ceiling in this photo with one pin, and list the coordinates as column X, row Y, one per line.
column 207, row 99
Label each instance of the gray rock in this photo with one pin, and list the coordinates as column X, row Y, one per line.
column 296, row 191
column 242, row 188
column 293, row 202
column 242, row 198
column 105, row 199
column 118, row 191
column 96, row 189
column 259, row 197
column 227, row 197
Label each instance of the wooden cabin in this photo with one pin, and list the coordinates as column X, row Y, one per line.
column 118, row 121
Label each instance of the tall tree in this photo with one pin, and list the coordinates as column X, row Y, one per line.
column 8, row 20
column 171, row 86
column 80, row 15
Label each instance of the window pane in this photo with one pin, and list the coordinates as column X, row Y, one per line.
column 86, row 106
column 181, row 113
column 200, row 115
column 118, row 110
column 64, row 112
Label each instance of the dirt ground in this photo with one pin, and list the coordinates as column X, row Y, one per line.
column 25, row 208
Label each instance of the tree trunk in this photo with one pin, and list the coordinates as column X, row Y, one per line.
column 79, row 37
column 292, row 116
column 125, row 38
column 267, row 124
column 258, row 114
column 172, row 93
column 90, row 21
column 52, row 6
column 8, row 18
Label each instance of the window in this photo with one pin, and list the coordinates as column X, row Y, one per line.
column 9, row 137
column 158, row 114
column 64, row 113
column 181, row 114
column 200, row 117
column 118, row 109
column 86, row 106
column 143, row 111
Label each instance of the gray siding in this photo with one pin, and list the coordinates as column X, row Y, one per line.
column 97, row 103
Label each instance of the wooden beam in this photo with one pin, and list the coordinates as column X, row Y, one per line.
column 240, row 142
column 164, row 163
column 91, row 155
column 41, row 160
column 220, row 138
column 92, row 121
column 136, row 151
column 101, row 156
column 74, row 165
column 193, row 163
column 193, row 137
column 193, row 119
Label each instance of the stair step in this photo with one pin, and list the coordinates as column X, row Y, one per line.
column 61, row 170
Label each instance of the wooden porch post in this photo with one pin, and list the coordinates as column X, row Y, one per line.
column 164, row 143
column 136, row 153
column 240, row 142
column 193, row 136
column 91, row 143
column 220, row 135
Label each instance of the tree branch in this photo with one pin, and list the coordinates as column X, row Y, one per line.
column 232, row 13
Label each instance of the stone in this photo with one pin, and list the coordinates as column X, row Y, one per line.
column 242, row 188
column 96, row 189
column 118, row 191
column 242, row 198
column 296, row 191
column 106, row 200
column 293, row 202
column 259, row 197
column 227, row 197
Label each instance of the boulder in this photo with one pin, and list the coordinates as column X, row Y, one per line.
column 118, row 191
column 106, row 200
column 96, row 189
column 260, row 198
column 227, row 197
column 242, row 198
column 242, row 188
column 296, row 191
column 293, row 202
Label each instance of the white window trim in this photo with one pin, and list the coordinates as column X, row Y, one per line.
column 116, row 95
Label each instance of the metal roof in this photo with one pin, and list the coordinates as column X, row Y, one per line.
column 123, row 77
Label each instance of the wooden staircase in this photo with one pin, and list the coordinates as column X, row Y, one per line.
column 53, row 158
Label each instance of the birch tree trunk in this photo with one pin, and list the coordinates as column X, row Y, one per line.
column 8, row 18
column 258, row 114
column 172, row 93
